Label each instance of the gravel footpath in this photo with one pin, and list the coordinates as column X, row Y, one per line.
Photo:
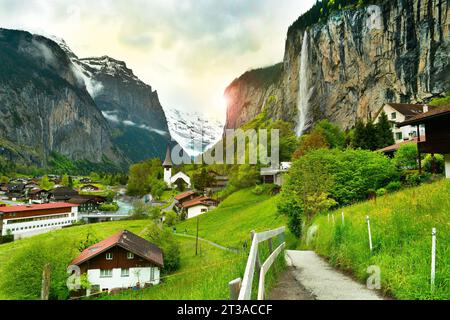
column 321, row 281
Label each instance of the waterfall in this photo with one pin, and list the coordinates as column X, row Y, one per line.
column 304, row 91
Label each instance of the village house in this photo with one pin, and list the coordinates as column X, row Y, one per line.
column 397, row 113
column 16, row 190
column 437, row 133
column 27, row 220
column 275, row 175
column 62, row 194
column 89, row 188
column 85, row 180
column 87, row 203
column 38, row 195
column 196, row 206
column 219, row 181
column 121, row 261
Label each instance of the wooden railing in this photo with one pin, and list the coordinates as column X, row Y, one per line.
column 242, row 290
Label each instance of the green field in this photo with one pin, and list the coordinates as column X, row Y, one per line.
column 231, row 223
column 401, row 225
column 202, row 276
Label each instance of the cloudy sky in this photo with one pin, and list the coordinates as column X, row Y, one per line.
column 188, row 50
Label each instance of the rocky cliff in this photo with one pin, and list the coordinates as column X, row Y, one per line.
column 45, row 107
column 354, row 62
column 131, row 107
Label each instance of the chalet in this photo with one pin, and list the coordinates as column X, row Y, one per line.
column 87, row 203
column 185, row 196
column 28, row 220
column 38, row 195
column 85, row 180
column 398, row 113
column 437, row 133
column 16, row 190
column 275, row 175
column 62, row 194
column 121, row 261
column 89, row 188
column 219, row 181
column 197, row 206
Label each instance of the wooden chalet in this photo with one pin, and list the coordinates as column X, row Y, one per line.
column 437, row 133
column 121, row 261
column 62, row 194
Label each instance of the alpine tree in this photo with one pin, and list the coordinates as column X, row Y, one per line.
column 384, row 131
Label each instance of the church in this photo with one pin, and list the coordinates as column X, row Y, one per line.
column 177, row 179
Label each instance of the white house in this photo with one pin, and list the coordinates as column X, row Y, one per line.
column 28, row 220
column 172, row 180
column 122, row 261
column 275, row 174
column 400, row 112
column 198, row 206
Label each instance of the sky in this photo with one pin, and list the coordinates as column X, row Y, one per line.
column 187, row 50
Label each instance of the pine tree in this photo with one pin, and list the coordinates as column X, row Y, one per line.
column 359, row 136
column 371, row 136
column 384, row 132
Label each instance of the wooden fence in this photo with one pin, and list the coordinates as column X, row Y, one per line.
column 242, row 290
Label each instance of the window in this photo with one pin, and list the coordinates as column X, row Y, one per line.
column 105, row 273
column 125, row 273
column 109, row 256
column 204, row 210
column 152, row 274
column 399, row 136
column 394, row 115
column 130, row 256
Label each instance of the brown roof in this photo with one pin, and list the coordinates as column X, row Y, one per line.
column 408, row 109
column 195, row 202
column 433, row 113
column 397, row 146
column 128, row 241
column 184, row 195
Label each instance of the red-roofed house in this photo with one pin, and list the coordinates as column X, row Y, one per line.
column 28, row 220
column 121, row 261
column 197, row 206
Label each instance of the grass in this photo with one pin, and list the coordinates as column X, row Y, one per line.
column 231, row 223
column 401, row 225
column 202, row 276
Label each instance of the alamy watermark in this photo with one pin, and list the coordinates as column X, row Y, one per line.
column 232, row 149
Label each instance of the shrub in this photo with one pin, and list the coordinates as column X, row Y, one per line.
column 412, row 178
column 171, row 218
column 406, row 157
column 381, row 192
column 164, row 238
column 293, row 209
column 109, row 207
column 393, row 186
column 439, row 163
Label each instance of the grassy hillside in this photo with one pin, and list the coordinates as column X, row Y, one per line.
column 401, row 225
column 202, row 276
column 232, row 222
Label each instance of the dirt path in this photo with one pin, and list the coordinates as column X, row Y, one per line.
column 310, row 277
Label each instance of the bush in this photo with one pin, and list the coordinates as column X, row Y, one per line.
column 412, row 178
column 293, row 209
column 109, row 207
column 406, row 157
column 346, row 175
column 439, row 163
column 171, row 218
column 394, row 186
column 268, row 188
column 164, row 238
column 381, row 192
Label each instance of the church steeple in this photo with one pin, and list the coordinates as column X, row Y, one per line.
column 168, row 161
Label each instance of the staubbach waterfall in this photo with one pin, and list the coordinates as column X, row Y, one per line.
column 303, row 92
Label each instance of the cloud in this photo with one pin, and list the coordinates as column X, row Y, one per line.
column 189, row 50
column 109, row 115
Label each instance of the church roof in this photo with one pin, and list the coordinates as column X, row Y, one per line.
column 168, row 161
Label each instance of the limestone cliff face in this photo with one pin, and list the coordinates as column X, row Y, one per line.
column 44, row 107
column 358, row 59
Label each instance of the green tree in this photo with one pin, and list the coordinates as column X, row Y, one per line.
column 202, row 180
column 164, row 238
column 359, row 135
column 407, row 156
column 171, row 218
column 45, row 183
column 65, row 180
column 4, row 179
column 309, row 142
column 371, row 136
column 334, row 136
column 384, row 132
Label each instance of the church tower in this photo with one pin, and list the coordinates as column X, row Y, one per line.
column 167, row 164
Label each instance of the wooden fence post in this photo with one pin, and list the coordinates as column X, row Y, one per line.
column 433, row 258
column 235, row 288
column 45, row 289
column 270, row 245
column 258, row 259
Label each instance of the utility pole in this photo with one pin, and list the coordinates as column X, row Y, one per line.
column 196, row 240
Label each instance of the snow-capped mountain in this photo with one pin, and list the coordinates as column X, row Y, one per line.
column 194, row 132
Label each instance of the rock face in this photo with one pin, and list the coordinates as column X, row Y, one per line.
column 45, row 107
column 131, row 107
column 358, row 60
